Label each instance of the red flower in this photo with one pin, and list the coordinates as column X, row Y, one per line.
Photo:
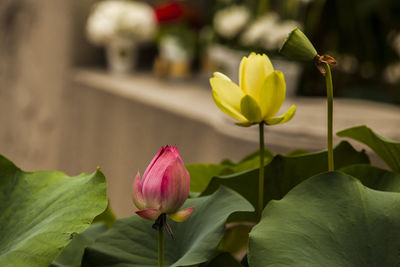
column 177, row 11
column 169, row 11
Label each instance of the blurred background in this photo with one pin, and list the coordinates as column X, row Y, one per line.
column 106, row 83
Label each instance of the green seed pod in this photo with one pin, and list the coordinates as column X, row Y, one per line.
column 298, row 47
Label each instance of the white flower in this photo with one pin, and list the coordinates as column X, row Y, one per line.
column 254, row 34
column 268, row 32
column 396, row 43
column 391, row 73
column 118, row 17
column 230, row 21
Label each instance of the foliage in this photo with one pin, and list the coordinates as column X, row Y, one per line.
column 328, row 220
column 72, row 255
column 40, row 212
column 282, row 174
column 201, row 174
column 133, row 241
column 387, row 149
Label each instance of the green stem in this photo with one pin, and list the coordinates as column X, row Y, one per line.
column 329, row 95
column 261, row 173
column 161, row 245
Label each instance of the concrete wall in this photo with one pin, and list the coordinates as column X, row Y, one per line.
column 34, row 66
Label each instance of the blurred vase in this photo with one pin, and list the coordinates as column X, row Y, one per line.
column 174, row 59
column 121, row 55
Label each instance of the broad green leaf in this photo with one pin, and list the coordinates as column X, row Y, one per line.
column 236, row 238
column 222, row 260
column 297, row 152
column 201, row 174
column 283, row 173
column 329, row 220
column 256, row 154
column 386, row 149
column 252, row 161
column 72, row 254
column 133, row 242
column 107, row 217
column 374, row 178
column 40, row 212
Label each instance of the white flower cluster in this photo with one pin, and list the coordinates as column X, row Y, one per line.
column 391, row 74
column 112, row 18
column 230, row 21
column 268, row 32
column 396, row 43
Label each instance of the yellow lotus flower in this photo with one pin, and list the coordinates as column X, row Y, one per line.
column 258, row 97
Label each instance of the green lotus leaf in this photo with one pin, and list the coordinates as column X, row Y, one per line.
column 374, row 177
column 328, row 220
column 282, row 174
column 201, row 174
column 222, row 260
column 72, row 254
column 386, row 149
column 133, row 242
column 41, row 212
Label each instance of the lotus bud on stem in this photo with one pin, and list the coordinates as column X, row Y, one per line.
column 162, row 190
column 298, row 47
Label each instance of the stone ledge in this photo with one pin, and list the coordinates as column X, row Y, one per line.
column 307, row 130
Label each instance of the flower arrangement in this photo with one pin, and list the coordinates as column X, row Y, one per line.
column 176, row 38
column 267, row 32
column 112, row 18
column 230, row 21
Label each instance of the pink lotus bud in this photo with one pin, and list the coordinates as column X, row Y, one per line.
column 163, row 188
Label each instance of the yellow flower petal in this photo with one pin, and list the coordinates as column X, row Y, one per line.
column 221, row 75
column 182, row 215
column 272, row 94
column 227, row 96
column 250, row 109
column 242, row 68
column 283, row 118
column 245, row 124
column 255, row 71
column 268, row 68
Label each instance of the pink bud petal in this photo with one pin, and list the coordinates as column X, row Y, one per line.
column 149, row 214
column 175, row 186
column 152, row 183
column 137, row 193
column 175, row 149
column 159, row 153
column 182, row 215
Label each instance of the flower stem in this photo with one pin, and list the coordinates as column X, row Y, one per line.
column 329, row 95
column 161, row 245
column 261, row 173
